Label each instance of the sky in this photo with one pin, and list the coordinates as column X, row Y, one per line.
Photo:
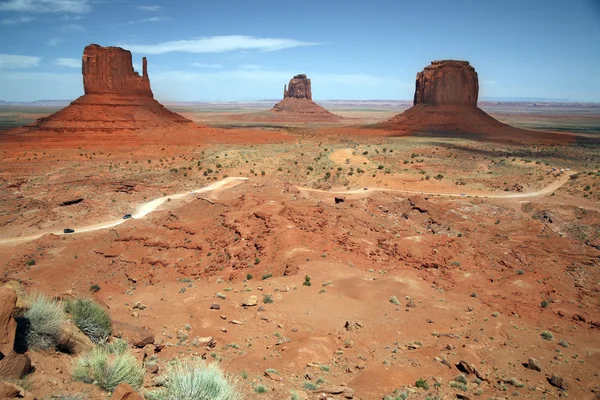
column 240, row 50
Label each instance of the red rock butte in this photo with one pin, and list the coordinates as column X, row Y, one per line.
column 297, row 103
column 116, row 98
column 445, row 102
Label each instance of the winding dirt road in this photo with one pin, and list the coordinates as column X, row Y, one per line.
column 142, row 210
column 547, row 190
column 227, row 183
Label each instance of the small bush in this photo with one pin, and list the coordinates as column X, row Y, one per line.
column 266, row 276
column 94, row 288
column 563, row 343
column 261, row 389
column 544, row 303
column 192, row 379
column 546, row 335
column 422, row 383
column 267, row 299
column 307, row 281
column 91, row 318
column 394, row 300
column 107, row 370
column 42, row 323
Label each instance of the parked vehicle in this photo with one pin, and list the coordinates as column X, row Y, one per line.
column 127, row 216
column 68, row 230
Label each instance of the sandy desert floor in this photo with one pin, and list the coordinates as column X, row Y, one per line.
column 438, row 250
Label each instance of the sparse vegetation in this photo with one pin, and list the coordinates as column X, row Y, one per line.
column 546, row 335
column 41, row 323
column 267, row 299
column 422, row 383
column 307, row 281
column 193, row 379
column 91, row 319
column 394, row 300
column 107, row 369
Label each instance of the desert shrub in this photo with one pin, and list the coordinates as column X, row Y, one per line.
column 267, row 299
column 91, row 319
column 546, row 335
column 192, row 379
column 42, row 323
column 107, row 370
column 394, row 300
column 307, row 281
column 422, row 383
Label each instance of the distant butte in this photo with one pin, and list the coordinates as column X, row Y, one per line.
column 116, row 99
column 445, row 102
column 297, row 103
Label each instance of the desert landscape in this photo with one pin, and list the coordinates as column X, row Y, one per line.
column 435, row 249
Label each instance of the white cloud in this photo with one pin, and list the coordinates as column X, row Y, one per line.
column 46, row 6
column 217, row 44
column 14, row 21
column 153, row 19
column 54, row 41
column 250, row 66
column 201, row 65
column 13, row 61
column 72, row 28
column 150, row 8
column 68, row 62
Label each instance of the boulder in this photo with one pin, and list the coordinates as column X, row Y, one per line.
column 14, row 366
column 334, row 389
column 8, row 391
column 137, row 336
column 558, row 381
column 534, row 365
column 125, row 392
column 71, row 340
column 8, row 325
column 250, row 301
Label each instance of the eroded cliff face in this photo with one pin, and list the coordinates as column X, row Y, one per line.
column 109, row 70
column 298, row 88
column 447, row 82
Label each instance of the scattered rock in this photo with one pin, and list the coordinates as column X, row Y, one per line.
column 207, row 341
column 236, row 322
column 465, row 367
column 558, row 381
column 8, row 325
column 352, row 325
column 261, row 308
column 462, row 396
column 14, row 366
column 411, row 304
column 332, row 389
column 534, row 364
column 215, row 306
column 338, row 200
column 137, row 336
column 250, row 301
column 273, row 376
column 125, row 392
column 152, row 368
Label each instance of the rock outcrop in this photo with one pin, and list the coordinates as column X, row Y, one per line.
column 447, row 82
column 109, row 70
column 445, row 102
column 298, row 88
column 297, row 104
column 116, row 99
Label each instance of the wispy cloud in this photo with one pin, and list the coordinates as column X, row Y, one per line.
column 72, row 28
column 47, row 6
column 13, row 61
column 218, row 44
column 54, row 41
column 145, row 20
column 150, row 8
column 201, row 65
column 251, row 66
column 68, row 62
column 14, row 21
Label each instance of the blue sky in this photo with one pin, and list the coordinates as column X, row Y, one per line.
column 351, row 49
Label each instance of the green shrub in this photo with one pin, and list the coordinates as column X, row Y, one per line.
column 42, row 323
column 267, row 299
column 422, row 383
column 394, row 300
column 192, row 379
column 107, row 370
column 91, row 318
column 307, row 281
column 546, row 335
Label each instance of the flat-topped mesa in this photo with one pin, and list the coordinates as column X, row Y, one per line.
column 109, row 70
column 447, row 82
column 299, row 88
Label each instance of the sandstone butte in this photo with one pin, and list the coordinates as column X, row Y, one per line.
column 297, row 103
column 445, row 102
column 116, row 99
